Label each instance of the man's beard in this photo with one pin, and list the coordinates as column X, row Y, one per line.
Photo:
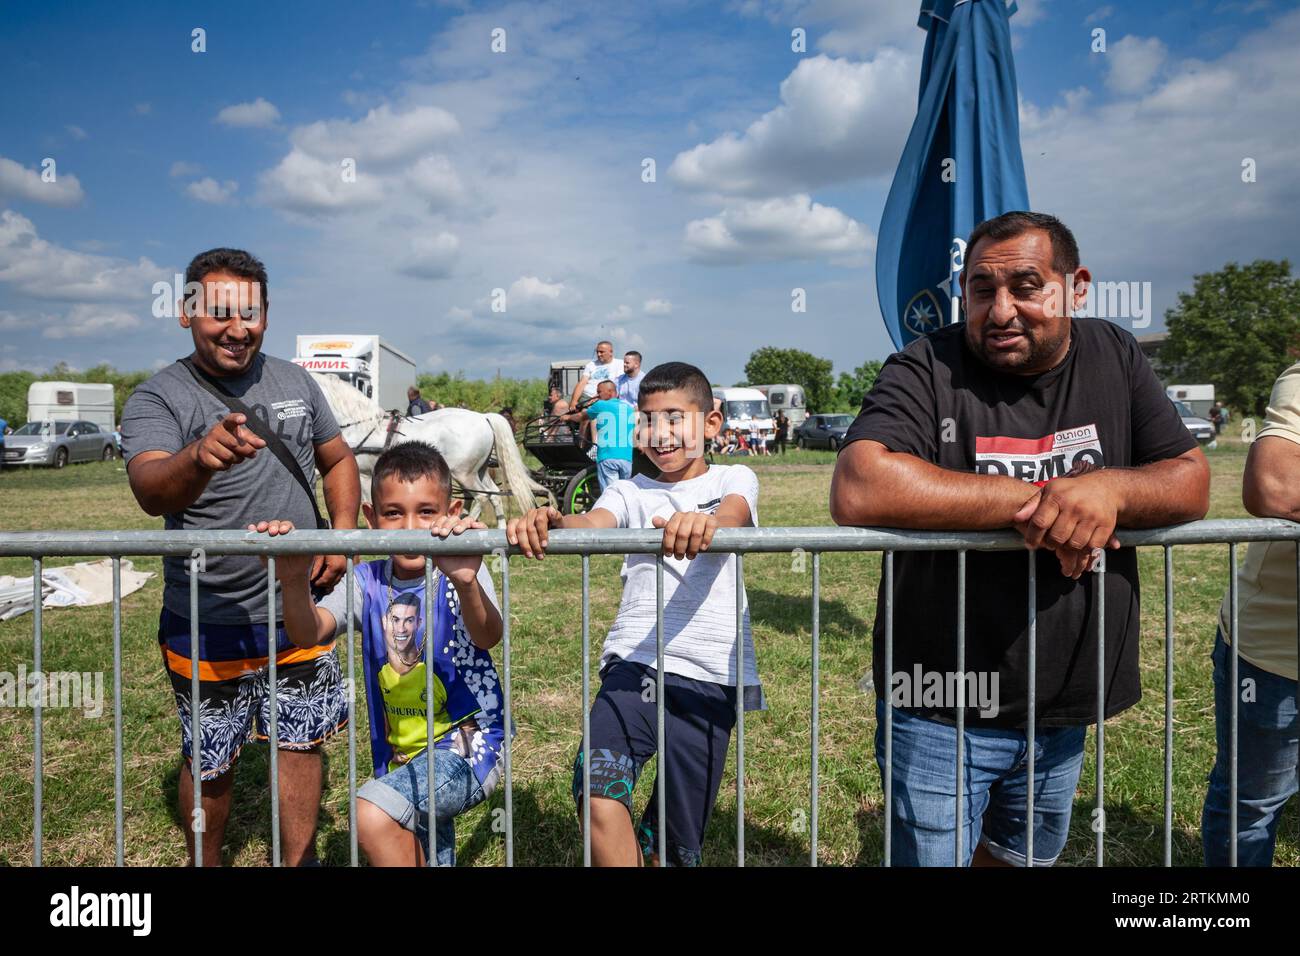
column 1041, row 350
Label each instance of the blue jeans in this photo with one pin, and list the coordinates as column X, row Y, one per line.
column 924, row 831
column 404, row 795
column 1266, row 761
column 611, row 470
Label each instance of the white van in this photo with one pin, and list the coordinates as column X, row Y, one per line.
column 1199, row 398
column 744, row 409
column 72, row 401
column 786, row 398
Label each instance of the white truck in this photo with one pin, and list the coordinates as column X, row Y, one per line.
column 366, row 362
column 1199, row 398
column 72, row 402
column 745, row 409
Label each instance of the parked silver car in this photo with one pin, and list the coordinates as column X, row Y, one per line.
column 58, row 443
column 1202, row 430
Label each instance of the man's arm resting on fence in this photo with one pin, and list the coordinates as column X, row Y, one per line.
column 873, row 486
column 1075, row 516
column 342, row 482
column 1269, row 488
column 165, row 483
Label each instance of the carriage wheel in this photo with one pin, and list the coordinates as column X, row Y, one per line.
column 581, row 492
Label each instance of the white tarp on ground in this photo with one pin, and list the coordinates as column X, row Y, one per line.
column 81, row 585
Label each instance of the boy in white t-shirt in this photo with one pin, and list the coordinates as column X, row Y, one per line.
column 689, row 499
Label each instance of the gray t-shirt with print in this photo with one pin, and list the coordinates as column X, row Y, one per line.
column 169, row 411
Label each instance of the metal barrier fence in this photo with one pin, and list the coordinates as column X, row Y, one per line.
column 196, row 545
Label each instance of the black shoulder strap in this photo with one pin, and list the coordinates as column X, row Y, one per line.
column 259, row 428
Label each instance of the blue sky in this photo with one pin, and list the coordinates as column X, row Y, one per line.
column 522, row 170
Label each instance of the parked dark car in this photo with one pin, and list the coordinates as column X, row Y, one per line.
column 58, row 443
column 822, row 431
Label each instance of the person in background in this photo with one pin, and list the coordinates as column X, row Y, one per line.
column 629, row 383
column 508, row 413
column 615, row 425
column 782, row 432
column 1266, row 644
column 4, row 430
column 416, row 405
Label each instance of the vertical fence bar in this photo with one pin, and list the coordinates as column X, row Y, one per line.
column 430, row 712
column 1169, row 706
column 352, row 720
column 1032, row 697
column 507, row 750
column 1235, row 683
column 889, row 707
column 740, row 709
column 661, row 802
column 586, row 715
column 816, row 697
column 273, row 688
column 957, row 858
column 118, row 836
column 1099, row 823
column 38, row 742
column 197, row 823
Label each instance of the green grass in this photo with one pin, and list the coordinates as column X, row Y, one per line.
column 546, row 669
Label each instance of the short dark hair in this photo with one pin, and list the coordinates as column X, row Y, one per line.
column 1065, row 250
column 679, row 376
column 406, row 597
column 411, row 461
column 235, row 261
column 632, row 352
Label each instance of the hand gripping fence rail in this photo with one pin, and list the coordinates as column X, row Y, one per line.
column 197, row 545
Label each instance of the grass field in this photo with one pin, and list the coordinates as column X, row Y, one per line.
column 546, row 671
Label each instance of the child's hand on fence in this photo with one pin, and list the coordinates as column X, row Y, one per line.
column 686, row 533
column 529, row 532
column 289, row 568
column 459, row 568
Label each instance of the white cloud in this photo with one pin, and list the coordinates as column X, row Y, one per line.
column 259, row 113
column 791, row 227
column 383, row 136
column 302, row 183
column 837, row 121
column 620, row 313
column 143, row 109
column 181, row 168
column 432, row 257
column 1101, row 13
column 76, row 132
column 10, row 322
column 435, row 179
column 458, row 314
column 1133, row 62
column 43, row 270
column 658, row 307
column 84, row 320
column 19, row 182
column 209, row 190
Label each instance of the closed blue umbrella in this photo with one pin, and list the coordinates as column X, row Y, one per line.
column 961, row 165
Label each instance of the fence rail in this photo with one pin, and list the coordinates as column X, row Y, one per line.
column 196, row 545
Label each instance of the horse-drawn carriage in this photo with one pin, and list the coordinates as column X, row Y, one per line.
column 568, row 469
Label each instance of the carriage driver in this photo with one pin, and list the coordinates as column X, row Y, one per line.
column 195, row 461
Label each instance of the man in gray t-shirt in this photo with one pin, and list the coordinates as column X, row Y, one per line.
column 198, row 464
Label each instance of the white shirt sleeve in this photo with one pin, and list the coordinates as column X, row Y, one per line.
column 740, row 480
column 488, row 586
column 613, row 500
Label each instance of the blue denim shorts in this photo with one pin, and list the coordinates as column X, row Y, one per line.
column 404, row 795
column 996, row 782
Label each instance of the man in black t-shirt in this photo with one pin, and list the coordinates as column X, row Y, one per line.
column 1019, row 417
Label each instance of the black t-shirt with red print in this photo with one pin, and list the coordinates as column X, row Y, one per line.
column 1102, row 406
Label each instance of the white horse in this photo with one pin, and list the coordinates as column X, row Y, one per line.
column 465, row 438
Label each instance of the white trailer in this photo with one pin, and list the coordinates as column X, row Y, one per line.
column 72, row 402
column 366, row 362
column 1199, row 398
